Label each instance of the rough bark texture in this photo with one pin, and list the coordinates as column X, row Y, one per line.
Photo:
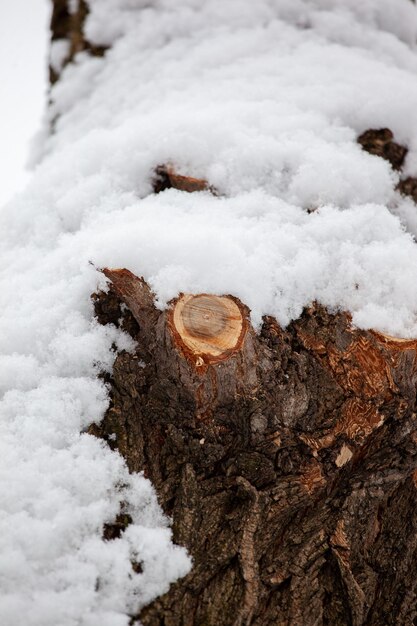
column 380, row 142
column 408, row 187
column 68, row 24
column 167, row 178
column 288, row 469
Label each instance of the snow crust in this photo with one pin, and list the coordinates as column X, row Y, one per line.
column 263, row 99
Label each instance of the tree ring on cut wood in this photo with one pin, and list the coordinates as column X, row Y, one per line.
column 208, row 327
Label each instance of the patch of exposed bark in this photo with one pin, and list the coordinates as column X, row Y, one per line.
column 68, row 25
column 116, row 528
column 408, row 187
column 166, row 177
column 288, row 469
column 380, row 142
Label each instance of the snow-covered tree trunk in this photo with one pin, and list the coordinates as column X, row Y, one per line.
column 285, row 456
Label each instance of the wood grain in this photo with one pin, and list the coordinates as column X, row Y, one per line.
column 208, row 326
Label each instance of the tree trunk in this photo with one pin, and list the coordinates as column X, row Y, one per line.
column 286, row 459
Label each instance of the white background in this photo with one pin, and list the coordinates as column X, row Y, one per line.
column 23, row 86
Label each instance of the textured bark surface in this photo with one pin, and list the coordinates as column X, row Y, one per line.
column 167, row 178
column 288, row 468
column 67, row 23
column 408, row 187
column 380, row 142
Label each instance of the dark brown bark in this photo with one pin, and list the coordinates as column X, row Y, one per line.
column 380, row 142
column 287, row 468
column 67, row 24
column 408, row 187
column 167, row 178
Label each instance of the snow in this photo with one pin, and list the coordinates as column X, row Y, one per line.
column 264, row 100
column 58, row 53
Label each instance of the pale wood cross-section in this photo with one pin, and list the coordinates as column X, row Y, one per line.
column 209, row 327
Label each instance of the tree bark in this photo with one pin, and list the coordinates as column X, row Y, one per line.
column 67, row 24
column 287, row 463
column 286, row 458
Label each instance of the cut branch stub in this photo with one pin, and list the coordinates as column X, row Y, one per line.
column 208, row 328
column 166, row 177
column 135, row 293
